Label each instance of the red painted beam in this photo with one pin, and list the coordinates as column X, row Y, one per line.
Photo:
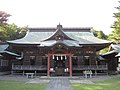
column 70, row 62
column 48, row 67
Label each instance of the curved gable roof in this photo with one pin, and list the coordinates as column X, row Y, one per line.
column 59, row 32
column 72, row 36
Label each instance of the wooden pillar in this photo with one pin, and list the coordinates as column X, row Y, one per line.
column 48, row 65
column 70, row 64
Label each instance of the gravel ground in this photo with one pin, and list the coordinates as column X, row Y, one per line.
column 57, row 83
column 14, row 77
column 38, row 80
column 44, row 79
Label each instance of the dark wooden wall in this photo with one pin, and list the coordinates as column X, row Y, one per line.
column 38, row 54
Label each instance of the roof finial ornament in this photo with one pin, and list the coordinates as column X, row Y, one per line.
column 59, row 23
column 59, row 26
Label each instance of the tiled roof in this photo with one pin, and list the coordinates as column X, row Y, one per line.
column 3, row 49
column 116, row 50
column 79, row 36
column 116, row 47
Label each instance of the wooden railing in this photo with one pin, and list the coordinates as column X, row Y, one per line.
column 90, row 67
column 28, row 67
column 81, row 67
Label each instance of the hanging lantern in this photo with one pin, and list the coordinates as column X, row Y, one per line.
column 53, row 57
column 57, row 57
column 65, row 57
column 61, row 57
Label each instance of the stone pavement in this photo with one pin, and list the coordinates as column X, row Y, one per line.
column 59, row 83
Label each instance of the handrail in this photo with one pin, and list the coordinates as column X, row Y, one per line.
column 44, row 67
column 91, row 67
column 28, row 67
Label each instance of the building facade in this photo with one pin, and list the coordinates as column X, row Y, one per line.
column 6, row 58
column 112, row 58
column 58, row 51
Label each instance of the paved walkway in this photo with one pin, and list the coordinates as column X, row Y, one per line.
column 59, row 83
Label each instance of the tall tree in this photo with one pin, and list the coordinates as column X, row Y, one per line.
column 99, row 34
column 12, row 32
column 9, row 31
column 115, row 35
column 3, row 17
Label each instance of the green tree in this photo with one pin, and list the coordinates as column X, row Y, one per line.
column 99, row 34
column 11, row 32
column 115, row 35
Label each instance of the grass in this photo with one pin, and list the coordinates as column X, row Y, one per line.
column 19, row 85
column 112, row 84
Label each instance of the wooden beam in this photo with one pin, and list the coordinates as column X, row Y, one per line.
column 48, row 65
column 70, row 64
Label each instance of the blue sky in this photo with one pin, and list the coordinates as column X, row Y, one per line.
column 70, row 13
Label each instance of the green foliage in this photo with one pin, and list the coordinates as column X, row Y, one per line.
column 11, row 32
column 99, row 34
column 115, row 35
column 103, row 51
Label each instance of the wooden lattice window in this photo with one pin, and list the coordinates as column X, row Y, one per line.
column 4, row 63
